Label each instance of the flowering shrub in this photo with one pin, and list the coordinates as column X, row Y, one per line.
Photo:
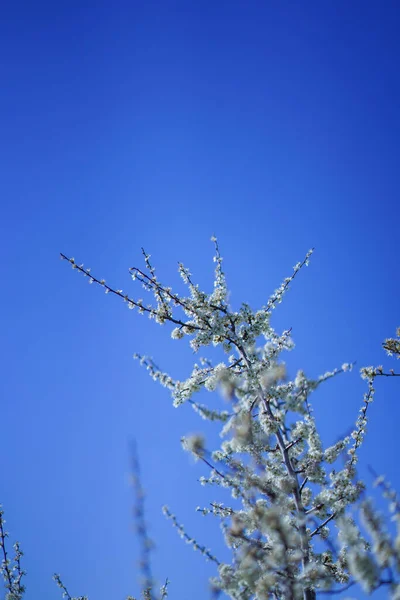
column 287, row 489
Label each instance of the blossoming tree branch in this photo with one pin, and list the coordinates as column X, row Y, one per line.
column 300, row 524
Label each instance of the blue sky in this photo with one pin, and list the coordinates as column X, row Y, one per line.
column 274, row 126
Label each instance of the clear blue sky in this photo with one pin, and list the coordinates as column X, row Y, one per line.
column 274, row 125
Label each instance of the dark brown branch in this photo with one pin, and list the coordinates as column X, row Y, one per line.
column 131, row 302
column 5, row 566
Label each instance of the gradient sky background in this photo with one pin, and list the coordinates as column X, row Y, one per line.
column 274, row 125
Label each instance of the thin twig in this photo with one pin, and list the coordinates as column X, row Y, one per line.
column 126, row 298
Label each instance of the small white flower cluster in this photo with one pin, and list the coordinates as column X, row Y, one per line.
column 392, row 345
column 361, row 563
column 332, row 453
column 194, row 444
column 163, row 378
